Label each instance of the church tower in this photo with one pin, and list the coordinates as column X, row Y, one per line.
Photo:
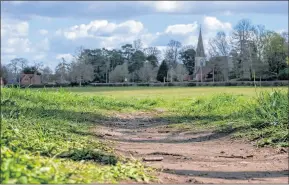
column 200, row 59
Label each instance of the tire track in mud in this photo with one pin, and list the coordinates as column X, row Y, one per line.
column 192, row 156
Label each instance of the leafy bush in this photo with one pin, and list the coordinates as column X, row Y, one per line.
column 284, row 74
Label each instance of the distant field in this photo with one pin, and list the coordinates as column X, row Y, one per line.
column 165, row 92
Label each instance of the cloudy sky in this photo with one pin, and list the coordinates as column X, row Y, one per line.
column 46, row 31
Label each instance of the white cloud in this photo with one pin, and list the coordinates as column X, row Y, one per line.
column 17, row 45
column 8, row 50
column 181, row 29
column 188, row 34
column 19, row 29
column 102, row 33
column 15, row 42
column 68, row 57
column 14, row 36
column 191, row 40
column 101, row 28
column 43, row 32
column 165, row 6
column 212, row 23
column 148, row 38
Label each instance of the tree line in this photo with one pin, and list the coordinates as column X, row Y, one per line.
column 259, row 52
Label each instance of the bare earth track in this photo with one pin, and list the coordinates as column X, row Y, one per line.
column 194, row 157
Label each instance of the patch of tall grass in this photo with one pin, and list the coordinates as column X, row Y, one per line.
column 263, row 118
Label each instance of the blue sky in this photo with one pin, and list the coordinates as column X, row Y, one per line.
column 46, row 31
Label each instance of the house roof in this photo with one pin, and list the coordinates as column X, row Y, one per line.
column 28, row 75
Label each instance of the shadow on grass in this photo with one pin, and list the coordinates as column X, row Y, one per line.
column 242, row 175
column 90, row 154
column 131, row 123
column 135, row 123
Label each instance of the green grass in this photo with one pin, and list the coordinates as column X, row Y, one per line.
column 45, row 138
column 46, row 135
column 164, row 92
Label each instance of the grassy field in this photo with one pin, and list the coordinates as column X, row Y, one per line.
column 46, row 134
column 165, row 92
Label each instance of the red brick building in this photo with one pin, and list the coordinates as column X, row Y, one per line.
column 30, row 79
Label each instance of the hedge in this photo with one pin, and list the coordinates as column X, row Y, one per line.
column 185, row 84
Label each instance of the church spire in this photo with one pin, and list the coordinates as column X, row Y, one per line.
column 200, row 48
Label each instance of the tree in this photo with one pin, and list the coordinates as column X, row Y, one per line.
column 147, row 72
column 62, row 71
column 180, row 72
column 285, row 36
column 163, row 71
column 259, row 38
column 219, row 45
column 46, row 74
column 137, row 60
column 276, row 53
column 242, row 44
column 237, row 65
column 119, row 74
column 152, row 51
column 243, row 32
column 115, row 58
column 7, row 73
column 31, row 70
column 104, row 61
column 153, row 60
column 38, row 65
column 187, row 56
column 17, row 65
column 97, row 58
column 127, row 51
column 4, row 72
column 138, row 45
column 172, row 52
column 171, row 76
column 81, row 72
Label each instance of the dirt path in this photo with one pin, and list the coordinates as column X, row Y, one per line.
column 194, row 157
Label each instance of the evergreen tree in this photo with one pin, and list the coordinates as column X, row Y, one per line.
column 163, row 71
column 188, row 58
column 137, row 60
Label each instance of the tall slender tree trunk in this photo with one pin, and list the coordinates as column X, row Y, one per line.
column 79, row 82
column 213, row 73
